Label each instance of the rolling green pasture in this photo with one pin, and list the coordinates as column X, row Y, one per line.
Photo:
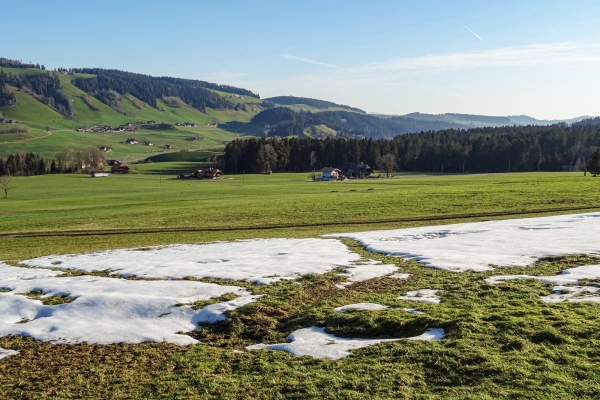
column 501, row 342
column 38, row 117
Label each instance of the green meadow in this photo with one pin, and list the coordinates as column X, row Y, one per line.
column 501, row 341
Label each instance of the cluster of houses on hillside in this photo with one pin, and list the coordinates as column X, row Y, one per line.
column 347, row 171
column 128, row 127
column 6, row 121
column 207, row 173
column 187, row 124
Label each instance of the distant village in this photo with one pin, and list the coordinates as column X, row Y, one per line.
column 133, row 126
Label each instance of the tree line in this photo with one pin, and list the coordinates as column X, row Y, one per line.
column 6, row 98
column 148, row 88
column 66, row 162
column 45, row 87
column 478, row 150
column 5, row 62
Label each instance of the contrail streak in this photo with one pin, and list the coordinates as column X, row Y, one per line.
column 469, row 29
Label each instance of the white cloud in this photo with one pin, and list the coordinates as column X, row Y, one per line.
column 519, row 56
column 309, row 61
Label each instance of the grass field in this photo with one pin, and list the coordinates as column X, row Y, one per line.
column 501, row 342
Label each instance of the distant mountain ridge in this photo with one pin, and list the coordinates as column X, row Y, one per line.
column 471, row 120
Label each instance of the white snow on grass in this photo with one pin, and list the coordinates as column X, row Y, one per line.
column 259, row 260
column 423, row 295
column 5, row 353
column 316, row 343
column 8, row 273
column 359, row 271
column 474, row 246
column 568, row 276
column 400, row 276
column 573, row 294
column 109, row 310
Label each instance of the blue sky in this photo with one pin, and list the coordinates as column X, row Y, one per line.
column 538, row 58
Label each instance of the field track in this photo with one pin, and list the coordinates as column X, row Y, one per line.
column 431, row 218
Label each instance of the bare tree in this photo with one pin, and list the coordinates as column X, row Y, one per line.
column 6, row 184
column 313, row 159
column 267, row 158
column 387, row 162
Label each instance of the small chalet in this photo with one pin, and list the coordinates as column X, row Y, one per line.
column 120, row 167
column 99, row 174
column 131, row 141
column 105, row 149
column 168, row 147
column 330, row 174
column 356, row 170
column 208, row 173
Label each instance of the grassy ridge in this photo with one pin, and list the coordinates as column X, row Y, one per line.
column 90, row 111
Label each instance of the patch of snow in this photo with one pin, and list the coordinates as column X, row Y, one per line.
column 9, row 273
column 109, row 310
column 573, row 294
column 5, row 353
column 361, row 306
column 568, row 276
column 474, row 246
column 316, row 343
column 400, row 276
column 359, row 271
column 259, row 260
column 423, row 295
column 413, row 311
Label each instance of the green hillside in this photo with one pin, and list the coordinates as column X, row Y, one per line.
column 319, row 131
column 48, row 132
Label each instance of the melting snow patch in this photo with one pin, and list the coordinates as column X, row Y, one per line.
column 360, row 271
column 574, row 294
column 109, row 310
column 259, row 260
column 424, row 296
column 568, row 276
column 5, row 353
column 474, row 246
column 399, row 276
column 316, row 343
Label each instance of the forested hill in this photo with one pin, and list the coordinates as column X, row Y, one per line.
column 282, row 121
column 320, row 104
column 148, row 88
column 479, row 150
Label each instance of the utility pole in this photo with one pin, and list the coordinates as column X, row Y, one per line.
column 463, row 168
column 508, row 165
column 243, row 176
column 160, row 177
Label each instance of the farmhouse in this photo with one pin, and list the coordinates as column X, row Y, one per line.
column 208, row 173
column 120, row 167
column 356, row 170
column 168, row 147
column 330, row 174
column 105, row 149
column 131, row 141
column 99, row 174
